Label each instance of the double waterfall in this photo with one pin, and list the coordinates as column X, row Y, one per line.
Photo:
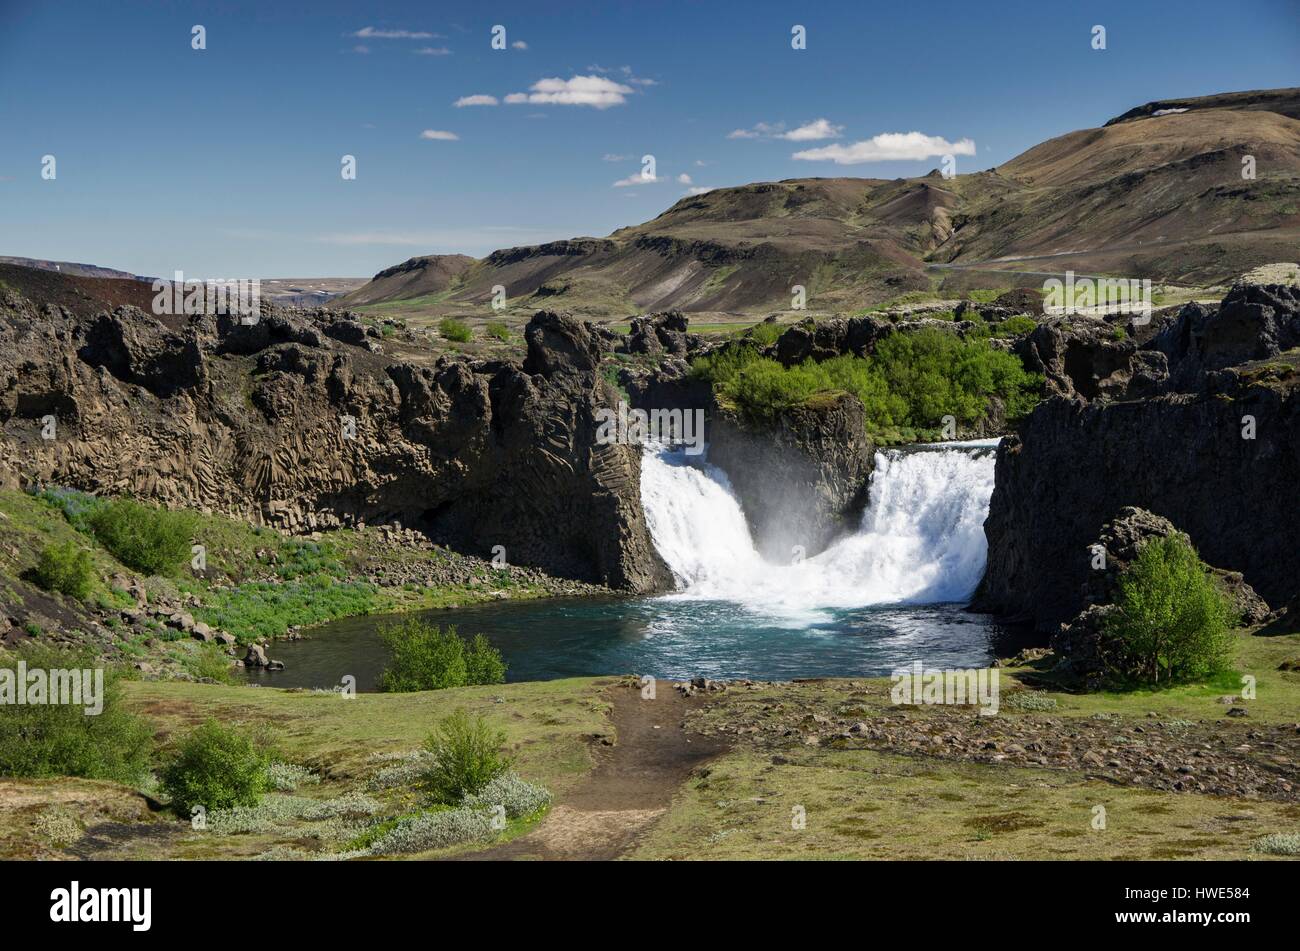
column 920, row 541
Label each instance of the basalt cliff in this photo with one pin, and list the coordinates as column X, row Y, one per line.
column 1195, row 418
column 301, row 421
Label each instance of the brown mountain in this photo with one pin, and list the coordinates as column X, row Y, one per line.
column 1157, row 192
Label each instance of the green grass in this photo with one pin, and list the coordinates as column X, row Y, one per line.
column 548, row 730
column 872, row 804
column 257, row 582
column 866, row 804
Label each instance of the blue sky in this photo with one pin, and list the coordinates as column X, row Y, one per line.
column 225, row 162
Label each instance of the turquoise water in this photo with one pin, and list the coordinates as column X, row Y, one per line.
column 877, row 599
column 664, row 637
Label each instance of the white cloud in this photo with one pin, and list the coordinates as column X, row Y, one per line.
column 478, row 99
column 683, row 179
column 594, row 91
column 809, row 132
column 439, row 135
column 433, row 51
column 636, row 178
column 818, row 129
column 519, row 45
column 888, row 146
column 360, row 49
column 370, row 33
column 759, row 131
column 699, row 190
column 615, row 157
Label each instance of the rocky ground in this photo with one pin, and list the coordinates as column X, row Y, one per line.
column 1227, row 756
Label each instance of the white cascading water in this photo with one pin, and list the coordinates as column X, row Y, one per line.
column 921, row 540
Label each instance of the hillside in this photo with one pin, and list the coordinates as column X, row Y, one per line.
column 1156, row 192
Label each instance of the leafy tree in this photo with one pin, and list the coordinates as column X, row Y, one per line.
column 1173, row 621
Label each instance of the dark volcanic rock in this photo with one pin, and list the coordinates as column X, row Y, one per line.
column 802, row 480
column 1254, row 322
column 1084, row 649
column 137, row 348
column 659, row 334
column 559, row 342
column 1084, row 358
column 282, row 424
column 1075, row 464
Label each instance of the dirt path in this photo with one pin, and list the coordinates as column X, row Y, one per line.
column 630, row 787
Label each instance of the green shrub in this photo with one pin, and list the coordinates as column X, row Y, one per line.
column 217, row 767
column 66, row 568
column 721, row 365
column 1172, row 620
column 911, row 382
column 148, row 539
column 455, row 330
column 1015, row 326
column 59, row 739
column 209, row 662
column 425, row 657
column 466, row 757
column 764, row 334
column 498, row 331
column 483, row 662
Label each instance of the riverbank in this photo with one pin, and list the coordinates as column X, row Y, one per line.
column 827, row 768
column 251, row 586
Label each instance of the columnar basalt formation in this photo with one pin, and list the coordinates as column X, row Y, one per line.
column 300, row 421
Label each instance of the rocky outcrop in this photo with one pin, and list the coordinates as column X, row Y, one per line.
column 1254, row 322
column 1216, row 452
column 298, row 421
column 801, row 480
column 1086, row 358
column 661, row 334
column 1085, row 650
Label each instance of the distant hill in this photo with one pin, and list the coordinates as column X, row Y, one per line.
column 418, row 277
column 1156, row 192
column 81, row 295
column 76, row 270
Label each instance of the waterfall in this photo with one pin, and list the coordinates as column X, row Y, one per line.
column 921, row 538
